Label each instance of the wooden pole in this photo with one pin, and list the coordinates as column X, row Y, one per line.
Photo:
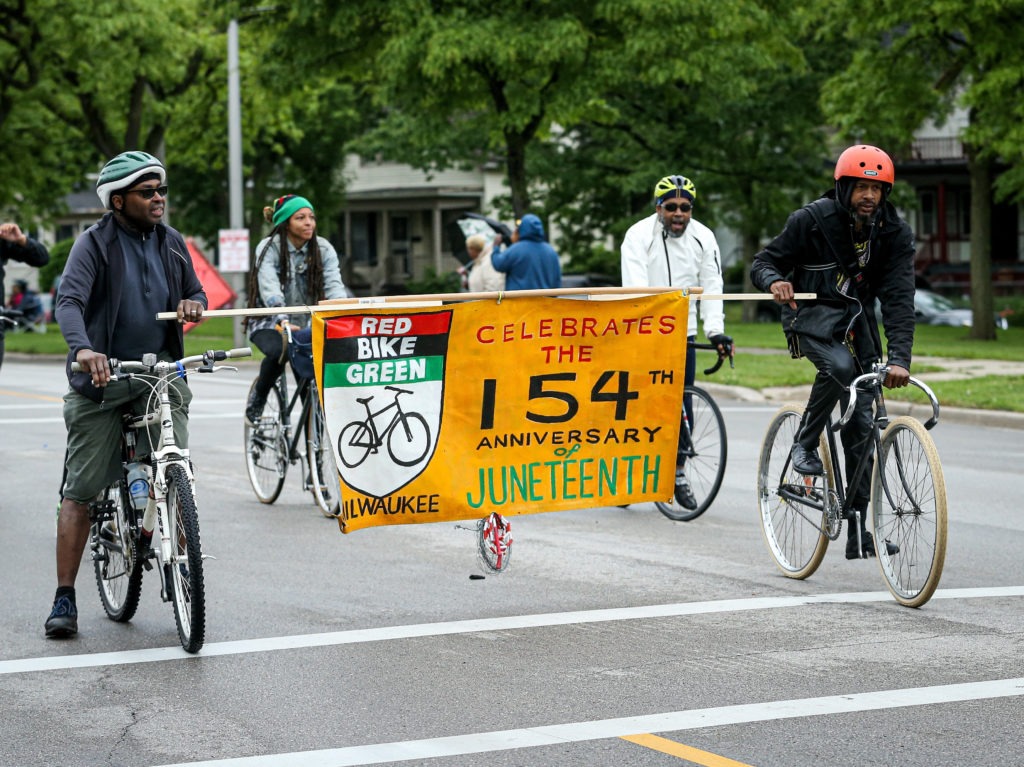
column 694, row 293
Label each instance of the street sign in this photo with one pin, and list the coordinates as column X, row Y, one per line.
column 234, row 250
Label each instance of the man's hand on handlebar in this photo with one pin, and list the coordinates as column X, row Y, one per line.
column 723, row 344
column 96, row 365
column 897, row 377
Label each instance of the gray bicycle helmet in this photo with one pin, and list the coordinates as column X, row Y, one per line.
column 124, row 170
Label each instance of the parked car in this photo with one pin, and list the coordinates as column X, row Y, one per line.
column 934, row 309
column 930, row 308
column 592, row 280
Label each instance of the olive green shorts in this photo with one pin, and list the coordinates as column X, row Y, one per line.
column 94, row 433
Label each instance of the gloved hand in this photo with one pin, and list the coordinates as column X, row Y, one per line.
column 723, row 343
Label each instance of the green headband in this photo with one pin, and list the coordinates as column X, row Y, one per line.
column 288, row 208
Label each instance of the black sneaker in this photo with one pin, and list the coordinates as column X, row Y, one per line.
column 806, row 461
column 684, row 495
column 867, row 545
column 63, row 620
column 254, row 408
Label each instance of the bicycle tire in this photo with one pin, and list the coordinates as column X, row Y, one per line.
column 354, row 444
column 793, row 532
column 323, row 470
column 406, row 435
column 705, row 468
column 115, row 558
column 186, row 563
column 266, row 448
column 494, row 541
column 908, row 503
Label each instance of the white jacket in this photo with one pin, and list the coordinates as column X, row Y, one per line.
column 651, row 259
column 483, row 277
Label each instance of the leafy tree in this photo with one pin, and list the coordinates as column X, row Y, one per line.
column 932, row 57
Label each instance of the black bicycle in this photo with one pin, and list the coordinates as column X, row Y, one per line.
column 704, row 444
column 800, row 513
column 272, row 444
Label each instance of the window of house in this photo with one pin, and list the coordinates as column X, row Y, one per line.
column 926, row 219
column 364, row 238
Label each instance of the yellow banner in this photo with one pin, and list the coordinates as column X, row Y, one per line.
column 517, row 406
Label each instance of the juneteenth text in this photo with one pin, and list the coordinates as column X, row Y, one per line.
column 566, row 479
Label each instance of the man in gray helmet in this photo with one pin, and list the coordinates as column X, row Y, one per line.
column 120, row 273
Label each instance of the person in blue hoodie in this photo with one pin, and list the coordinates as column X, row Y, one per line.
column 530, row 263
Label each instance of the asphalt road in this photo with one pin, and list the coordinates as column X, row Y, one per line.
column 617, row 637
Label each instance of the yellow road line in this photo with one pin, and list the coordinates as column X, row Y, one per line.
column 44, row 397
column 670, row 747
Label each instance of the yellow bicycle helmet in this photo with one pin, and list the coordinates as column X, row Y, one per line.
column 673, row 186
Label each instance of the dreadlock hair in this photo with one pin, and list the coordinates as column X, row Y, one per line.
column 314, row 263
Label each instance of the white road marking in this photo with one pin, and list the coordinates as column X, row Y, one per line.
column 672, row 721
column 389, row 633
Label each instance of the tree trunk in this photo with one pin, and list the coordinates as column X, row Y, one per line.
column 516, row 164
column 751, row 244
column 983, row 327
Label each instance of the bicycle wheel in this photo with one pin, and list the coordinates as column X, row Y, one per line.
column 409, row 440
column 908, row 505
column 354, row 444
column 266, row 449
column 323, row 471
column 706, row 456
column 115, row 557
column 792, row 505
column 186, row 563
column 494, row 536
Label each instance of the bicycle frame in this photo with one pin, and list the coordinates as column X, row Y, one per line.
column 872, row 449
column 303, row 390
column 169, row 528
column 371, row 424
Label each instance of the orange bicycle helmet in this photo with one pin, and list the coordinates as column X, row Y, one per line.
column 863, row 161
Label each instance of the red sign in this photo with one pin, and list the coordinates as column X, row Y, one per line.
column 219, row 294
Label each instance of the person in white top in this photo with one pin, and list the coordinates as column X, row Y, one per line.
column 483, row 277
column 671, row 249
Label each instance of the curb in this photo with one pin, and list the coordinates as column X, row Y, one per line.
column 993, row 418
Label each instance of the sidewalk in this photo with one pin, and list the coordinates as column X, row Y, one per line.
column 953, row 369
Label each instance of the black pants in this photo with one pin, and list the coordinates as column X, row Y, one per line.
column 689, row 376
column 837, row 367
column 271, row 343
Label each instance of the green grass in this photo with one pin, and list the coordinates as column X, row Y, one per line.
column 757, row 367
column 929, row 340
column 983, row 393
column 214, row 333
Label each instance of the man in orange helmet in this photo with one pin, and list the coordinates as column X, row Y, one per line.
column 849, row 247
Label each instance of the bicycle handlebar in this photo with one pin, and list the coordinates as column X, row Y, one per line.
column 721, row 357
column 11, row 316
column 207, row 359
column 875, row 379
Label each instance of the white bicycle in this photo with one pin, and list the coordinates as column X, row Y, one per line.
column 124, row 540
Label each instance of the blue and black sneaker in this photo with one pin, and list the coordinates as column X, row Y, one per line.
column 63, row 620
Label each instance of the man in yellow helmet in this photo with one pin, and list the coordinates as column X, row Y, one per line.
column 670, row 248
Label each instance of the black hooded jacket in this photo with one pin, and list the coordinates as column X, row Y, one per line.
column 808, row 252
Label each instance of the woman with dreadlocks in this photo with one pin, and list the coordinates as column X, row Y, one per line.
column 308, row 274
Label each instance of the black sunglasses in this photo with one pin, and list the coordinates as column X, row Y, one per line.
column 672, row 207
column 147, row 194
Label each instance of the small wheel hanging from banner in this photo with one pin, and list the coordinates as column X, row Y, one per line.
column 495, row 537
